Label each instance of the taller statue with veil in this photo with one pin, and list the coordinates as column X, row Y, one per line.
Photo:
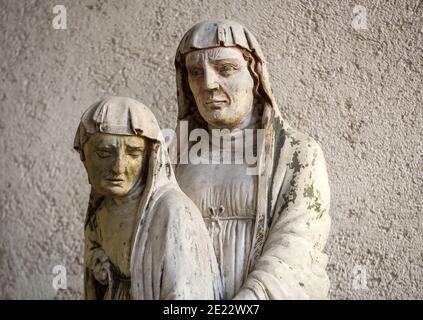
column 268, row 228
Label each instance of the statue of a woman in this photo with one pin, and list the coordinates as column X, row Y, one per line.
column 269, row 229
column 144, row 239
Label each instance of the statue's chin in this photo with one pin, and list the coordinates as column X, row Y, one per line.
column 220, row 120
column 225, row 119
column 114, row 191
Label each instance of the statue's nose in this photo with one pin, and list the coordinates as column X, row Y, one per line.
column 211, row 81
column 119, row 164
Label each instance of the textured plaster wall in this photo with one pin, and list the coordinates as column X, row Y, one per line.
column 358, row 92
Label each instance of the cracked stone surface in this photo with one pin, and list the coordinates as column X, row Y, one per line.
column 357, row 91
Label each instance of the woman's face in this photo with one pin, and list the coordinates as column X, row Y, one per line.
column 114, row 163
column 222, row 86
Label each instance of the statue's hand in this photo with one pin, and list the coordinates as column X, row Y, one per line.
column 101, row 267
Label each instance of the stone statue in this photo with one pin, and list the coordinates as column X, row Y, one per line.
column 144, row 239
column 268, row 229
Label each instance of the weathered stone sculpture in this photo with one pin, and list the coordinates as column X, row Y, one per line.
column 268, row 230
column 144, row 239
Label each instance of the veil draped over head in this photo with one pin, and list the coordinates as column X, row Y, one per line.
column 117, row 115
column 170, row 256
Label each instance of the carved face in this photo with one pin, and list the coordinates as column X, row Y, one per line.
column 114, row 163
column 222, row 86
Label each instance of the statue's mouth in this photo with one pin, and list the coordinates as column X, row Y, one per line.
column 115, row 180
column 216, row 103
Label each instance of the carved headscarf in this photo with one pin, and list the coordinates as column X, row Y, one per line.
column 117, row 115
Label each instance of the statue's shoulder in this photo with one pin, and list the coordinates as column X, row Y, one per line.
column 175, row 211
column 305, row 164
column 176, row 204
column 298, row 144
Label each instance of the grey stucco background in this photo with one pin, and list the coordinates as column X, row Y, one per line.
column 357, row 91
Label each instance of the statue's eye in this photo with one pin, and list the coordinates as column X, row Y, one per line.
column 103, row 153
column 195, row 72
column 135, row 154
column 226, row 68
